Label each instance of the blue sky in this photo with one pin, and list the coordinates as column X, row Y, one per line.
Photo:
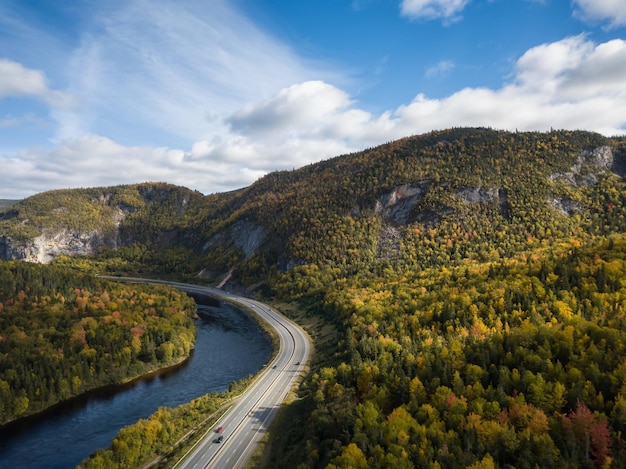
column 213, row 94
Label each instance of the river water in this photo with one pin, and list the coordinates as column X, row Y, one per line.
column 229, row 346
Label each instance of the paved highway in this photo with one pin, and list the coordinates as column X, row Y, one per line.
column 248, row 420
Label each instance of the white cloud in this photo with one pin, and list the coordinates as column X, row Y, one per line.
column 17, row 81
column 599, row 10
column 433, row 9
column 573, row 83
column 94, row 161
column 292, row 107
column 232, row 103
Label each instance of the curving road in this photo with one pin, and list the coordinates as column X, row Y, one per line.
column 248, row 420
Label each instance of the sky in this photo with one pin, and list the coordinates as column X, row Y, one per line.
column 214, row 94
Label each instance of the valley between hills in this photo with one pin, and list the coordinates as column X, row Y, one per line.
column 466, row 291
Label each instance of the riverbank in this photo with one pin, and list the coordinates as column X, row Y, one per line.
column 160, row 438
column 229, row 346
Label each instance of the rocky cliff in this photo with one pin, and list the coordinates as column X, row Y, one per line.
column 51, row 244
column 88, row 221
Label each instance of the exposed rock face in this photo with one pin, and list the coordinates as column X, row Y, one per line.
column 244, row 234
column 63, row 231
column 47, row 246
column 602, row 157
column 8, row 250
column 52, row 243
column 587, row 168
column 474, row 195
column 398, row 204
column 566, row 206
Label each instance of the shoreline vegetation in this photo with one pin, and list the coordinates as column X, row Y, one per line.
column 63, row 334
column 82, row 310
column 161, row 439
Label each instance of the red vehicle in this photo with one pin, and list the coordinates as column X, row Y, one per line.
column 219, row 429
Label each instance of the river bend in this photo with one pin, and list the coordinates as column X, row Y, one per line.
column 229, row 346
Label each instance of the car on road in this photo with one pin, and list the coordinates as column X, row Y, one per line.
column 219, row 429
column 219, row 439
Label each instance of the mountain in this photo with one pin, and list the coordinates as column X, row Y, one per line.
column 475, row 279
column 468, row 193
column 90, row 221
column 469, row 185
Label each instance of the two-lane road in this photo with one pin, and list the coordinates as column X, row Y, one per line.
column 248, row 420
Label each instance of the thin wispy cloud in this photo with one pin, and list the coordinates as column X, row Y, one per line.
column 182, row 66
column 440, row 69
column 433, row 9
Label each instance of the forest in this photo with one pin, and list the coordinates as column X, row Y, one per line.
column 514, row 363
column 476, row 278
column 63, row 333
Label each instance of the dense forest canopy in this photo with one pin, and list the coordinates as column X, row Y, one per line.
column 63, row 333
column 520, row 362
column 477, row 279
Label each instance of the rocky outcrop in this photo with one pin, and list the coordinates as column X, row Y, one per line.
column 398, row 204
column 49, row 245
column 589, row 165
column 89, row 221
column 566, row 206
column 474, row 195
column 243, row 234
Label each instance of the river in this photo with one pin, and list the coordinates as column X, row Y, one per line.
column 229, row 346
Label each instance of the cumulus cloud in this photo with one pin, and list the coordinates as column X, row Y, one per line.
column 17, row 80
column 600, row 10
column 432, row 9
column 292, row 107
column 94, row 161
column 573, row 83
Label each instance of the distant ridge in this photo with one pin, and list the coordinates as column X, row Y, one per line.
column 6, row 203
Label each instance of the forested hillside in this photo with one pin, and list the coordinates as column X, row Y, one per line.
column 424, row 201
column 94, row 221
column 477, row 279
column 520, row 362
column 63, row 333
